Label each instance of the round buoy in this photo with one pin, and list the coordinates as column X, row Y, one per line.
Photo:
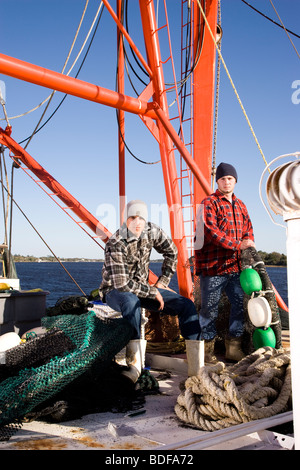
column 9, row 340
column 264, row 337
column 259, row 312
column 250, row 281
column 4, row 286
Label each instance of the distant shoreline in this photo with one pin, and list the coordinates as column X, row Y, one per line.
column 30, row 259
column 72, row 260
column 271, row 260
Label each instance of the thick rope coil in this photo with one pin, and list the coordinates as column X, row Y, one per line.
column 259, row 386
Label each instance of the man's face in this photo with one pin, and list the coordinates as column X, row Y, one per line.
column 226, row 184
column 136, row 225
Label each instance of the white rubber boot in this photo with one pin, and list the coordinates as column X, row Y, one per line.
column 135, row 358
column 195, row 356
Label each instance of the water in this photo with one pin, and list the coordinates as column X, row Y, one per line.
column 53, row 278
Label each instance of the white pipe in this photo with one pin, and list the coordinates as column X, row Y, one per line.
column 285, row 197
column 293, row 273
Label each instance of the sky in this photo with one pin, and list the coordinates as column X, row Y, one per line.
column 78, row 146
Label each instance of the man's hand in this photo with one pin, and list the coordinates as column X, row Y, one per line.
column 247, row 244
column 160, row 286
column 160, row 300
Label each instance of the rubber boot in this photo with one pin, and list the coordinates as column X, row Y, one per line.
column 135, row 358
column 234, row 350
column 194, row 359
column 209, row 352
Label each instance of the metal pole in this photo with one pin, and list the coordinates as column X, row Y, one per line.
column 121, row 118
column 56, row 81
column 293, row 273
column 166, row 148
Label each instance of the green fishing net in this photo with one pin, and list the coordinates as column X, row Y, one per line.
column 75, row 344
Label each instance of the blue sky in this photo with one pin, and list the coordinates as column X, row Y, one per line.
column 79, row 144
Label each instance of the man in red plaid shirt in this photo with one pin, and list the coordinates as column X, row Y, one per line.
column 224, row 229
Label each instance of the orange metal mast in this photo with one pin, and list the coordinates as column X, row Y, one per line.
column 121, row 117
column 166, row 148
column 204, row 96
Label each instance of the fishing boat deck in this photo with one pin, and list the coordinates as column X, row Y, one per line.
column 155, row 427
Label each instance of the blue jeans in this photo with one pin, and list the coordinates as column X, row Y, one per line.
column 174, row 304
column 211, row 291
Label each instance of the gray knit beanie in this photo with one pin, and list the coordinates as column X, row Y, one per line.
column 136, row 208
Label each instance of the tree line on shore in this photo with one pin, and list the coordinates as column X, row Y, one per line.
column 270, row 259
column 274, row 258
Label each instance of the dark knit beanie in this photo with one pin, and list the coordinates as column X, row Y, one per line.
column 225, row 169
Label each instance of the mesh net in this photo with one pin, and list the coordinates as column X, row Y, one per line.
column 74, row 345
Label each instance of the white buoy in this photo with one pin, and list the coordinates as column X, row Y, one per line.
column 9, row 340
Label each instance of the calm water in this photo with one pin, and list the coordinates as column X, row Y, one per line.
column 53, row 278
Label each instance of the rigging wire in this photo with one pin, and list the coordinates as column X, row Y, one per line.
column 186, row 74
column 65, row 96
column 232, row 84
column 197, row 56
column 133, row 54
column 78, row 55
column 116, row 88
column 43, row 240
column 285, row 30
column 37, row 130
column 270, row 19
column 66, row 61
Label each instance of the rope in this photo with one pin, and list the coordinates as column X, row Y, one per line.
column 286, row 31
column 66, row 61
column 270, row 19
column 257, row 387
column 63, row 69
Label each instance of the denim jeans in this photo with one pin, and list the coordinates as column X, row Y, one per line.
column 211, row 291
column 174, row 304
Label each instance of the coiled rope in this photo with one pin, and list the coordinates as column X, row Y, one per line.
column 257, row 387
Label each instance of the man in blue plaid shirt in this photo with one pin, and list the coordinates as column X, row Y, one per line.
column 125, row 286
column 223, row 230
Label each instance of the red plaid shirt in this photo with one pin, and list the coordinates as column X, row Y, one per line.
column 221, row 226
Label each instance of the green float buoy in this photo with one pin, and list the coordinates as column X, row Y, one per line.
column 250, row 281
column 264, row 337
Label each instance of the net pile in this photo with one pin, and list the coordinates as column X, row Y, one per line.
column 75, row 343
